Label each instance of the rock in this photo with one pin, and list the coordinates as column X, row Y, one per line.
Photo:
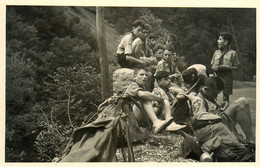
column 121, row 79
column 124, row 76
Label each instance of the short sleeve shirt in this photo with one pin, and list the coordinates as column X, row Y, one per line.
column 230, row 58
column 125, row 46
column 136, row 42
column 162, row 93
column 171, row 68
column 132, row 90
column 199, row 110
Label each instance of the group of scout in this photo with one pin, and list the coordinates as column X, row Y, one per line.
column 213, row 125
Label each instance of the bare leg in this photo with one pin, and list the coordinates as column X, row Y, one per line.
column 150, row 112
column 138, row 115
column 148, row 108
column 137, row 49
column 167, row 109
column 239, row 112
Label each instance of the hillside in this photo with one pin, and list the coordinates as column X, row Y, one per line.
column 53, row 82
column 88, row 16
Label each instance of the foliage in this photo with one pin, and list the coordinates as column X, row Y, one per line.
column 37, row 46
column 66, row 52
column 74, row 94
column 21, row 130
column 52, row 141
column 19, row 81
column 52, row 69
column 198, row 30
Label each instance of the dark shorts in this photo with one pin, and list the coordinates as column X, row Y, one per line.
column 227, row 77
column 121, row 59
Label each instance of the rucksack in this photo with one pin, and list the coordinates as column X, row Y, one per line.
column 114, row 128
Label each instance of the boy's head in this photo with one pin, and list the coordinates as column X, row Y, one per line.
column 153, row 38
column 159, row 49
column 140, row 75
column 163, row 79
column 213, row 86
column 137, row 28
column 166, row 55
column 189, row 76
column 145, row 32
column 170, row 41
column 224, row 40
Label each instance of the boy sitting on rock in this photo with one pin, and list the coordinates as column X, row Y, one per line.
column 145, row 98
column 126, row 56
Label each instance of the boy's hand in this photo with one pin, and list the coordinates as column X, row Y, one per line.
column 180, row 96
column 215, row 68
column 224, row 105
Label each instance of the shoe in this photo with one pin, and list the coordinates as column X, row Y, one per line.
column 169, row 120
column 174, row 127
column 206, row 157
column 161, row 124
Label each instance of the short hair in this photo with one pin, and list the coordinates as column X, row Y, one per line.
column 227, row 36
column 161, row 74
column 188, row 75
column 158, row 46
column 215, row 82
column 139, row 68
column 138, row 23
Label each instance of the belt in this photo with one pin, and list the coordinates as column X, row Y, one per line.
column 203, row 123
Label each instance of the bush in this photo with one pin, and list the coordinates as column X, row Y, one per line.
column 21, row 131
column 75, row 93
column 67, row 52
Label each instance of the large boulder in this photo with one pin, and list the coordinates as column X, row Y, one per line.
column 121, row 79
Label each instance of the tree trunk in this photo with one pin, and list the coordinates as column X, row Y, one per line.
column 102, row 51
column 235, row 37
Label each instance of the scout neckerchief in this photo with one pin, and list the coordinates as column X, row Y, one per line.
column 222, row 57
column 168, row 93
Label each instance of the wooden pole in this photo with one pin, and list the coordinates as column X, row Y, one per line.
column 102, row 51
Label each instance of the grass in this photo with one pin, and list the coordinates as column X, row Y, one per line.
column 243, row 84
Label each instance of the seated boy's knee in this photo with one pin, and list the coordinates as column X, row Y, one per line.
column 138, row 114
column 242, row 101
column 241, row 104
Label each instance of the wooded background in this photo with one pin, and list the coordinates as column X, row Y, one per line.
column 53, row 72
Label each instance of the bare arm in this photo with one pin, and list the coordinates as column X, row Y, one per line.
column 226, row 67
column 134, row 60
column 149, row 96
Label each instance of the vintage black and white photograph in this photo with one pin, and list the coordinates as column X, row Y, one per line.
column 130, row 84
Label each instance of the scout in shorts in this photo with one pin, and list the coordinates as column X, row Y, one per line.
column 215, row 128
column 163, row 90
column 224, row 61
column 125, row 55
column 145, row 98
